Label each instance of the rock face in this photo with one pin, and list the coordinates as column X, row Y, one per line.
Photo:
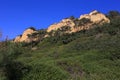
column 68, row 25
column 64, row 22
column 95, row 17
column 24, row 37
column 17, row 39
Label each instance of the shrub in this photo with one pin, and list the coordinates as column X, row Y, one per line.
column 45, row 72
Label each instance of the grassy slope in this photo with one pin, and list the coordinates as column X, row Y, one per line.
column 92, row 55
column 85, row 64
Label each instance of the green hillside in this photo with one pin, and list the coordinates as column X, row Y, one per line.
column 92, row 54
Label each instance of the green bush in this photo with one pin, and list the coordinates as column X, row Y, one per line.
column 45, row 72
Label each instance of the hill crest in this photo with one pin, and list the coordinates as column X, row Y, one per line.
column 68, row 25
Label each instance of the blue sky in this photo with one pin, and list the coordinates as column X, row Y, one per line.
column 17, row 15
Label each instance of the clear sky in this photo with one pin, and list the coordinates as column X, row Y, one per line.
column 17, row 15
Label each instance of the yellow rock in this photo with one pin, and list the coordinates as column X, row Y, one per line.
column 24, row 37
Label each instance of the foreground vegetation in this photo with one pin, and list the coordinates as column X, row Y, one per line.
column 86, row 55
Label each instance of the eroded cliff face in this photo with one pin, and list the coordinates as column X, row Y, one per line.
column 68, row 25
column 24, row 37
column 95, row 17
column 64, row 22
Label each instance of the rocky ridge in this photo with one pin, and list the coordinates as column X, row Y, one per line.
column 95, row 17
column 85, row 22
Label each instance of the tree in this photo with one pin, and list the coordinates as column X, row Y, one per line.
column 82, row 22
column 32, row 28
column 12, row 69
column 113, row 14
column 72, row 17
column 65, row 28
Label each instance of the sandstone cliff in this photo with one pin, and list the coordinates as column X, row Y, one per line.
column 94, row 17
column 68, row 25
column 24, row 37
column 64, row 22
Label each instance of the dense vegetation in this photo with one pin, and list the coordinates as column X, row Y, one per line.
column 86, row 55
